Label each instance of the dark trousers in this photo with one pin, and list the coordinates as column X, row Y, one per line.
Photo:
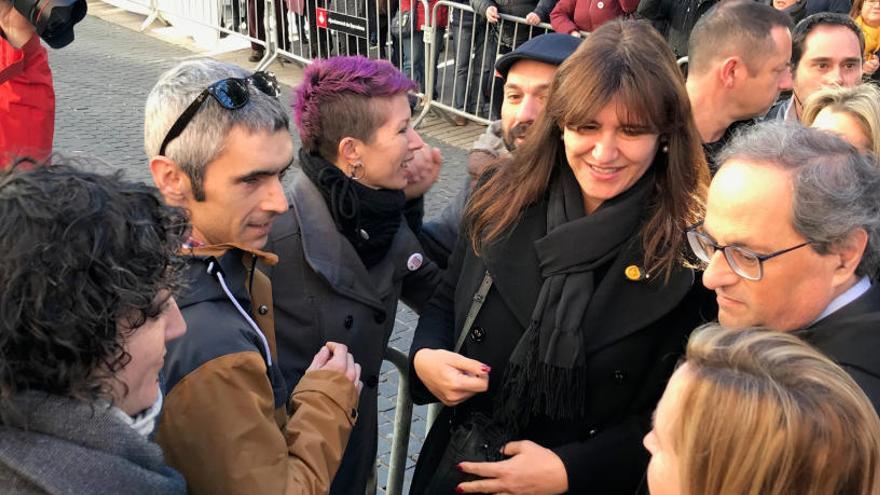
column 468, row 33
column 414, row 57
column 256, row 12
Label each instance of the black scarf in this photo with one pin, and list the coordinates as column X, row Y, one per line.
column 368, row 218
column 547, row 369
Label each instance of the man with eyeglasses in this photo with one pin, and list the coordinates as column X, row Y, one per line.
column 791, row 242
column 219, row 142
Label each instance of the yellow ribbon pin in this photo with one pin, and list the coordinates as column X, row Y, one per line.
column 633, row 273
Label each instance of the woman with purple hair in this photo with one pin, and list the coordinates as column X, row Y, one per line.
column 349, row 246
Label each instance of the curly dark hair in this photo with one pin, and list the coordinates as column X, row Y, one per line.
column 84, row 257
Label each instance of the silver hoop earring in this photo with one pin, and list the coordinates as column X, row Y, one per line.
column 665, row 148
column 357, row 170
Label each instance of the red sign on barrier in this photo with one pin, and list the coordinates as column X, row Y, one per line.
column 338, row 21
column 321, row 17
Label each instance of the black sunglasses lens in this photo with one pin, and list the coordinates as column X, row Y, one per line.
column 266, row 83
column 230, row 93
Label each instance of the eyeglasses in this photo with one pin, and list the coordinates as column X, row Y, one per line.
column 744, row 262
column 231, row 94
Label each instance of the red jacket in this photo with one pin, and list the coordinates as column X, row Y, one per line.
column 442, row 12
column 587, row 15
column 27, row 102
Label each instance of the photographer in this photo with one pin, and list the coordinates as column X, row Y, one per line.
column 27, row 97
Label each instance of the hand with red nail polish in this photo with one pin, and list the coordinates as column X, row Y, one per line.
column 451, row 377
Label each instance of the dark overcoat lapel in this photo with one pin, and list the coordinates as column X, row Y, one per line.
column 619, row 307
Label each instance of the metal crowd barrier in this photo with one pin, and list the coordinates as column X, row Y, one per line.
column 453, row 54
column 402, row 422
column 470, row 89
column 371, row 28
column 251, row 20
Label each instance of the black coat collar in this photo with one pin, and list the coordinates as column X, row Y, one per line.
column 619, row 307
column 851, row 335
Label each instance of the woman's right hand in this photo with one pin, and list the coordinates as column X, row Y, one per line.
column 451, row 377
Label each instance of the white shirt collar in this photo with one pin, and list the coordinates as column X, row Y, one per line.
column 847, row 297
column 790, row 114
column 145, row 421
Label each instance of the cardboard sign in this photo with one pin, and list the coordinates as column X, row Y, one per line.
column 344, row 23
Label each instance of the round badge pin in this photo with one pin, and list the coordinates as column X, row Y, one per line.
column 601, row 5
column 414, row 262
column 632, row 272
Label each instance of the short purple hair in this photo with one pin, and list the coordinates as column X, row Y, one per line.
column 334, row 100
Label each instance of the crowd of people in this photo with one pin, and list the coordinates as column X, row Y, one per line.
column 650, row 282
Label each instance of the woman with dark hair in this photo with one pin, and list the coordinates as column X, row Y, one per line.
column 88, row 270
column 573, row 254
column 348, row 246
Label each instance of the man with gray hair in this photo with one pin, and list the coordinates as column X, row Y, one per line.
column 219, row 142
column 791, row 242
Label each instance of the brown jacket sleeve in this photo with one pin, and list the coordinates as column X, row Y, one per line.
column 218, row 429
column 324, row 405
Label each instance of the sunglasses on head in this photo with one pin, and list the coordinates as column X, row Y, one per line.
column 231, row 93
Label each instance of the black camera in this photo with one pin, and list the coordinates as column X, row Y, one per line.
column 53, row 19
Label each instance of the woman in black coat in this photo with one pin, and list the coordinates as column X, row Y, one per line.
column 590, row 301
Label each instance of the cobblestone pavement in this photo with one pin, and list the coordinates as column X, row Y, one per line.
column 102, row 81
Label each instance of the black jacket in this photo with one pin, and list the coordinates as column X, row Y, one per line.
column 675, row 19
column 323, row 292
column 637, row 331
column 851, row 337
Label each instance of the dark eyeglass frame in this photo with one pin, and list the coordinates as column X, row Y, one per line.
column 231, row 93
column 694, row 236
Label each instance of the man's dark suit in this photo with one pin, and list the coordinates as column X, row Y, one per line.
column 851, row 337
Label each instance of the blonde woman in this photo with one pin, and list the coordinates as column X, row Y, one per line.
column 766, row 414
column 852, row 113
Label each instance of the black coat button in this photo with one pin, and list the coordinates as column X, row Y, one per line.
column 263, row 309
column 371, row 381
column 379, row 317
column 349, row 321
column 477, row 334
column 592, row 433
column 619, row 376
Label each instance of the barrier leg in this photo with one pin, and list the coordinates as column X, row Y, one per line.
column 428, row 40
column 155, row 15
column 271, row 51
column 402, row 422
